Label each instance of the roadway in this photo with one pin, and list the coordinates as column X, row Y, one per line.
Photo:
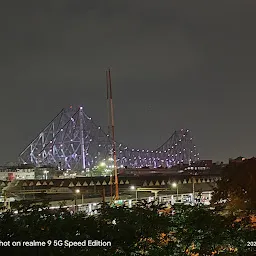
column 91, row 206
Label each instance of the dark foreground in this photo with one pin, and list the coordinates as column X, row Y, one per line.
column 146, row 229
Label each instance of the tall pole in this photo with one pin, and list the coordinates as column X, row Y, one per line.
column 113, row 135
column 103, row 195
column 109, row 132
column 76, row 203
column 108, row 104
column 82, row 137
column 193, row 184
column 111, row 186
column 5, row 200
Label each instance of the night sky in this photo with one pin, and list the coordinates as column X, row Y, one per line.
column 175, row 64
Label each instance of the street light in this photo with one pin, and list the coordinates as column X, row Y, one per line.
column 77, row 191
column 45, row 174
column 132, row 187
column 102, row 164
column 175, row 185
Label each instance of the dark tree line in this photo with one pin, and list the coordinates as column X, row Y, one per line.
column 146, row 229
column 236, row 191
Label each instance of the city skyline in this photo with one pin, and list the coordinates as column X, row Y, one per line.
column 174, row 66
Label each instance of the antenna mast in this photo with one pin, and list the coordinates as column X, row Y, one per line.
column 109, row 132
column 111, row 118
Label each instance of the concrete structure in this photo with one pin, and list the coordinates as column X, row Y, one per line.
column 93, row 187
column 22, row 174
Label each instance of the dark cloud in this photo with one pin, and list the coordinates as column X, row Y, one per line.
column 175, row 64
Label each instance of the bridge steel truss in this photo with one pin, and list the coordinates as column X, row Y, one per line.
column 73, row 141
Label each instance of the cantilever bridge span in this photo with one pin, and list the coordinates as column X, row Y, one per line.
column 73, row 141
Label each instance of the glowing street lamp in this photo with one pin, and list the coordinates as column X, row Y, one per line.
column 132, row 187
column 77, row 191
column 45, row 174
column 175, row 185
column 102, row 164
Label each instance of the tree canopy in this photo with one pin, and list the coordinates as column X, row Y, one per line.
column 146, row 229
column 237, row 188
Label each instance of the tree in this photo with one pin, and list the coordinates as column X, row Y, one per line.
column 140, row 230
column 237, row 189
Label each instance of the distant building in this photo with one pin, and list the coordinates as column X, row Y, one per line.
column 4, row 175
column 204, row 163
column 23, row 174
column 26, row 172
column 200, row 165
column 239, row 159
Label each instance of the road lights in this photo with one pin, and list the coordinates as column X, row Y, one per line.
column 102, row 164
column 77, row 191
column 133, row 188
column 175, row 185
column 45, row 174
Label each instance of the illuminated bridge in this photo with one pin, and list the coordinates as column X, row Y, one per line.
column 72, row 140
